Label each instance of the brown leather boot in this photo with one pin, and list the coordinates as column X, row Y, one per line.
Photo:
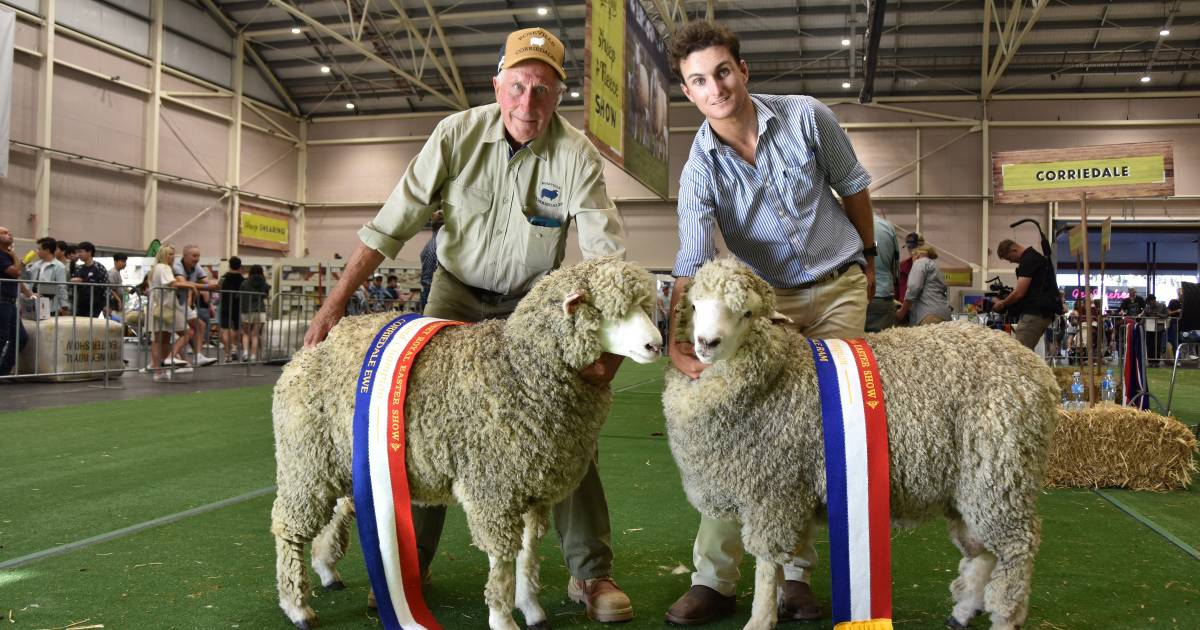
column 700, row 605
column 605, row 601
column 798, row 603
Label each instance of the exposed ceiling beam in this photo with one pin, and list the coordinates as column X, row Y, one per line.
column 309, row 20
column 1014, row 44
column 445, row 17
column 254, row 56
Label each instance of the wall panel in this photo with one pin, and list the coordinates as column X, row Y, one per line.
column 179, row 204
column 96, row 205
column 94, row 118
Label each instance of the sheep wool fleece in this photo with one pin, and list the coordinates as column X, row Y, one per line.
column 498, row 418
column 970, row 415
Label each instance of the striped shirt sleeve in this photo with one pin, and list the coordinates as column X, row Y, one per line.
column 697, row 219
column 835, row 153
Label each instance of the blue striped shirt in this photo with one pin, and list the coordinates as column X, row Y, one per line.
column 779, row 216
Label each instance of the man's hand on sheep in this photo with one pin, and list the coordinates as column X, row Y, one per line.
column 321, row 324
column 683, row 357
column 604, row 370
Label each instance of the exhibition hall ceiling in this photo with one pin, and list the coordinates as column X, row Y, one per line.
column 332, row 54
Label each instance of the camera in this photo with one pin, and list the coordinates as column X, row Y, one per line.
column 997, row 290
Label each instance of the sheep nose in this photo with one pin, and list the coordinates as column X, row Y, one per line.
column 654, row 348
column 708, row 344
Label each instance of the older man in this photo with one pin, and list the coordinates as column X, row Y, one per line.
column 188, row 269
column 509, row 179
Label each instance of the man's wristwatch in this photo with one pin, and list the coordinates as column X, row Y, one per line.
column 870, row 252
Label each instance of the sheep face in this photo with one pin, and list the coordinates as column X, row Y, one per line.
column 727, row 301
column 633, row 335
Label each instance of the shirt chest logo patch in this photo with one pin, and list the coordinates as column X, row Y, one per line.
column 549, row 195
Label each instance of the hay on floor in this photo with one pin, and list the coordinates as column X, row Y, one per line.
column 1109, row 446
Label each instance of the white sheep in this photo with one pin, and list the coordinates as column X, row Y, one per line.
column 970, row 413
column 498, row 420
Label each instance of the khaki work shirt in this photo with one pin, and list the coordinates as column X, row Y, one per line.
column 506, row 217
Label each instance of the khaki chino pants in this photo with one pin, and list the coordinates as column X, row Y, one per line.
column 833, row 309
column 582, row 518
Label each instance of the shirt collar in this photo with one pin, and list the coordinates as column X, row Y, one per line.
column 709, row 140
column 539, row 146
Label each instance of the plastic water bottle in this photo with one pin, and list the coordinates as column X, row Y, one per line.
column 1108, row 388
column 1066, row 402
column 1077, row 392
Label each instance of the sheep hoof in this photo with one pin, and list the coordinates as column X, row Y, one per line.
column 951, row 622
column 336, row 585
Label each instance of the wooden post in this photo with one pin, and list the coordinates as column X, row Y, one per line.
column 1093, row 336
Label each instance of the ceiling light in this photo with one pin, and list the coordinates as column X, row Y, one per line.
column 1146, row 79
column 325, row 69
column 349, row 105
column 845, row 41
column 846, row 84
column 295, row 30
column 1164, row 32
column 543, row 10
column 574, row 93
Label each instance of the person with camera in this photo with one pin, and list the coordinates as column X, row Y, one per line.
column 1036, row 295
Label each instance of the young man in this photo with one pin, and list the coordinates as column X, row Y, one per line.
column 117, row 303
column 1036, row 295
column 510, row 177
column 89, row 301
column 46, row 270
column 761, row 170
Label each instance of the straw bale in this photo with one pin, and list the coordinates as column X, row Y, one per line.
column 1110, row 446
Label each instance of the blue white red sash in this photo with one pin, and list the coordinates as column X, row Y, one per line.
column 856, row 471
column 381, row 497
column 1135, row 390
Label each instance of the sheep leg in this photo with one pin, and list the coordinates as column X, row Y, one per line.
column 528, row 584
column 764, row 612
column 1006, row 596
column 291, row 577
column 498, row 534
column 330, row 545
column 974, row 572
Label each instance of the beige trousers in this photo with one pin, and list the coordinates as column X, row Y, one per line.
column 833, row 309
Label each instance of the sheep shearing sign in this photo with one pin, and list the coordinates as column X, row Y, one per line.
column 385, row 526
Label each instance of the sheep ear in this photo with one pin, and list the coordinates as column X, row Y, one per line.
column 573, row 300
column 780, row 318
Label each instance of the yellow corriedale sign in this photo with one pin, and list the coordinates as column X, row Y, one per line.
column 607, row 51
column 264, row 228
column 1074, row 174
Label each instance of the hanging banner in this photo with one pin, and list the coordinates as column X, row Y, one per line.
column 1115, row 171
column 263, row 228
column 626, row 91
column 1106, row 235
column 604, row 84
column 8, row 35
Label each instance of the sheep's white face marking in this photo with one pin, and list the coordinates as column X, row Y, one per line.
column 717, row 331
column 634, row 335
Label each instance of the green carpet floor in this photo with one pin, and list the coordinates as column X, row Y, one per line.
column 71, row 473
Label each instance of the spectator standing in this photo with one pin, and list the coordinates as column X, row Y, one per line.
column 189, row 270
column 166, row 315
column 49, row 276
column 12, row 331
column 89, row 300
column 881, row 311
column 377, row 294
column 254, row 310
column 393, row 290
column 911, row 242
column 927, row 295
column 1133, row 305
column 117, row 302
column 229, row 317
